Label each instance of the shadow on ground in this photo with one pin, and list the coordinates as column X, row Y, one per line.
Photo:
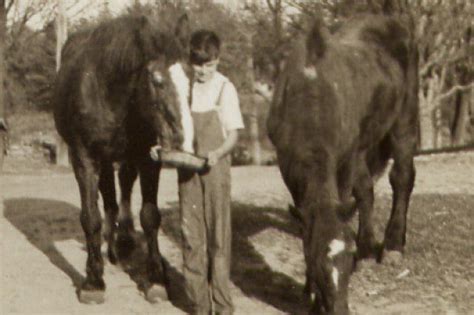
column 249, row 270
column 45, row 222
column 438, row 255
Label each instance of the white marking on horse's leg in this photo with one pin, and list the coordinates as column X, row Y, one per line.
column 107, row 227
column 313, row 297
column 335, row 277
column 335, row 247
column 181, row 83
column 310, row 72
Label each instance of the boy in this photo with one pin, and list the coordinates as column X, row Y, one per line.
column 205, row 197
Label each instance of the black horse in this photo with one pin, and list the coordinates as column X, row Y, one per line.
column 344, row 104
column 116, row 96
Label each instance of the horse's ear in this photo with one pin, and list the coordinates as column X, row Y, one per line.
column 316, row 41
column 183, row 30
column 388, row 7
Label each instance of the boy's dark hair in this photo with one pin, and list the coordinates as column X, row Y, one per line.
column 205, row 46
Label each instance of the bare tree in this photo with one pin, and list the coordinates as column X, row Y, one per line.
column 264, row 60
column 445, row 44
column 3, row 126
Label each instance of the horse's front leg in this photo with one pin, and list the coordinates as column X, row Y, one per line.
column 150, row 220
column 107, row 190
column 329, row 258
column 87, row 171
column 367, row 247
column 125, row 242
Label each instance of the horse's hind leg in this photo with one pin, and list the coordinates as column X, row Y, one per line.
column 87, row 176
column 346, row 176
column 364, row 194
column 125, row 242
column 150, row 220
column 107, row 190
column 402, row 177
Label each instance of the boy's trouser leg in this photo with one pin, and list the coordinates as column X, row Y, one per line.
column 194, row 243
column 217, row 207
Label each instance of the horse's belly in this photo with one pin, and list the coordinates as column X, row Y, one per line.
column 112, row 148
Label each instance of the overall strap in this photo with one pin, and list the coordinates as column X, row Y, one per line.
column 219, row 97
column 219, row 107
column 190, row 91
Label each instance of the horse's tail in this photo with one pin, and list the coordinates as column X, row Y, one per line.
column 400, row 8
column 316, row 43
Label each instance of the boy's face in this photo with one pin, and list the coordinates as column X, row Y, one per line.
column 205, row 71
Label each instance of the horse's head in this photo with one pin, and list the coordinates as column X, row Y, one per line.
column 167, row 86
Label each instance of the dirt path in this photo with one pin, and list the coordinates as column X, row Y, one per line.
column 43, row 255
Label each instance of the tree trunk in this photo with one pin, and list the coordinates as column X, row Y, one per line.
column 427, row 117
column 3, row 131
column 253, row 122
column 62, row 156
column 461, row 121
column 254, row 136
column 256, row 151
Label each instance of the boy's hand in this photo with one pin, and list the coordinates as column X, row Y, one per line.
column 212, row 158
column 154, row 152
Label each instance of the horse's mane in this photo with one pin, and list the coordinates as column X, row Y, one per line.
column 386, row 23
column 363, row 30
column 120, row 46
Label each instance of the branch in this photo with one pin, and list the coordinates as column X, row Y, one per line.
column 443, row 57
column 454, row 89
column 9, row 6
column 270, row 5
column 87, row 6
column 436, row 59
column 303, row 9
column 442, row 79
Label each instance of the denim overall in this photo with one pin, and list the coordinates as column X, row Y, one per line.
column 206, row 222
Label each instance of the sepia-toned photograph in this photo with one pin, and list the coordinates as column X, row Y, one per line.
column 251, row 157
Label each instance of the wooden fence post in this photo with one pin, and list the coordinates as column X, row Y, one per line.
column 62, row 156
column 3, row 124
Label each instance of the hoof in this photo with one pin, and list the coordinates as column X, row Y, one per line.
column 125, row 245
column 392, row 257
column 368, row 255
column 156, row 293
column 91, row 296
column 112, row 256
column 366, row 263
column 368, row 248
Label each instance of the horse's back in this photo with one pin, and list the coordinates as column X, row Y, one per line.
column 378, row 32
column 83, row 110
column 350, row 95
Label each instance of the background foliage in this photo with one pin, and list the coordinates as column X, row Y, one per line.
column 256, row 35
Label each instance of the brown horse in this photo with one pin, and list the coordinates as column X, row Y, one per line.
column 118, row 94
column 344, row 104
